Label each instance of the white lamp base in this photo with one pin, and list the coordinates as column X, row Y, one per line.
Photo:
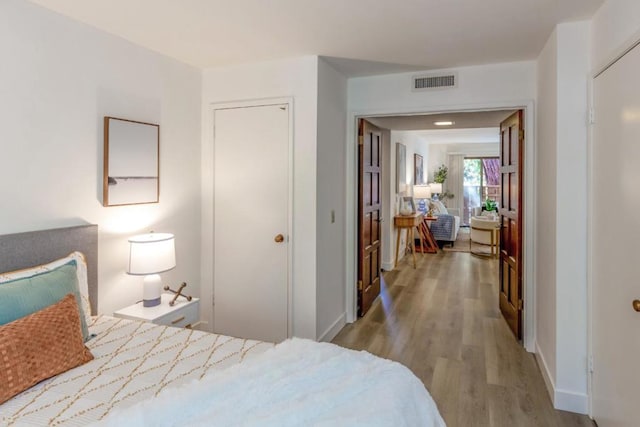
column 152, row 290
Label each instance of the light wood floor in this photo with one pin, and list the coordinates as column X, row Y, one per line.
column 442, row 321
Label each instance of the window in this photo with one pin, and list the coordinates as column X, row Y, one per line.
column 481, row 182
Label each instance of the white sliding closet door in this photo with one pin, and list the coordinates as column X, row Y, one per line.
column 251, row 221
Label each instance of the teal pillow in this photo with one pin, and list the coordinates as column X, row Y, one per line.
column 21, row 297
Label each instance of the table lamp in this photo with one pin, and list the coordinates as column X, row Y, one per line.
column 422, row 192
column 149, row 255
column 436, row 188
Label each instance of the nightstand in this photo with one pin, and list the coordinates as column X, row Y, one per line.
column 183, row 314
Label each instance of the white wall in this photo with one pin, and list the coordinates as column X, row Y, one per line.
column 297, row 78
column 494, row 83
column 562, row 209
column 481, row 149
column 330, row 269
column 415, row 145
column 571, row 216
column 613, row 28
column 438, row 155
column 546, row 209
column 494, row 86
column 57, row 80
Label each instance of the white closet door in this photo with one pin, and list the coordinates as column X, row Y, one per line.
column 251, row 222
column 615, row 244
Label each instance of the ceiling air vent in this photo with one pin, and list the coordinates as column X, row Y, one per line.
column 435, row 81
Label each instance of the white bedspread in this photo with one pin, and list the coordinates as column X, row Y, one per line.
column 297, row 383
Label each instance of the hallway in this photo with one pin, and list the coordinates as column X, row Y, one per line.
column 442, row 321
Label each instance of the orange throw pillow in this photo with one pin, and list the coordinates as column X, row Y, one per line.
column 40, row 346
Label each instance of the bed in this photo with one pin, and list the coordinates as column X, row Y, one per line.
column 145, row 374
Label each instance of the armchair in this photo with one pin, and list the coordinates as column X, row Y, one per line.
column 485, row 231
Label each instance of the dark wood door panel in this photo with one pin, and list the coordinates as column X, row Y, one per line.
column 366, row 189
column 511, row 149
column 366, row 231
column 366, row 269
column 375, row 189
column 369, row 213
column 375, row 227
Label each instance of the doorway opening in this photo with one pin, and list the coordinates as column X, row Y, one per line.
column 485, row 189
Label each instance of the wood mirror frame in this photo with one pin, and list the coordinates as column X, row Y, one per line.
column 131, row 173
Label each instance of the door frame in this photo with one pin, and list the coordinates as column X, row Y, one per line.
column 208, row 202
column 529, row 218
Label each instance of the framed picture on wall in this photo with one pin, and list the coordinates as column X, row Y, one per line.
column 401, row 168
column 418, row 174
column 131, row 162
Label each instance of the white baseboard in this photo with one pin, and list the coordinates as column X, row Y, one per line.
column 333, row 330
column 546, row 375
column 571, row 401
column 390, row 265
column 562, row 399
column 387, row 266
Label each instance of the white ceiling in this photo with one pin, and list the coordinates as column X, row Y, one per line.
column 425, row 34
column 479, row 127
column 479, row 119
column 459, row 136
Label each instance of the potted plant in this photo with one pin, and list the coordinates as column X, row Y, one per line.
column 446, row 195
column 490, row 205
column 440, row 175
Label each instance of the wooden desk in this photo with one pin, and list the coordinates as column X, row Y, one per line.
column 409, row 223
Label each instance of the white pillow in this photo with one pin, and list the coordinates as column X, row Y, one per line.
column 439, row 207
column 81, row 272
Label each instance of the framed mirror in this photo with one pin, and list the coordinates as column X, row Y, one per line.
column 401, row 168
column 131, row 162
column 418, row 169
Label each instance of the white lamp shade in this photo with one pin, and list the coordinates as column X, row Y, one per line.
column 151, row 253
column 421, row 192
column 436, row 188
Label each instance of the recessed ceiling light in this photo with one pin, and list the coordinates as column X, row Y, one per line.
column 443, row 123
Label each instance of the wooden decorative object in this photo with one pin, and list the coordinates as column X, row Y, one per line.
column 178, row 293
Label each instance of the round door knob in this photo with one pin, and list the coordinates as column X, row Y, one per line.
column 636, row 305
column 279, row 238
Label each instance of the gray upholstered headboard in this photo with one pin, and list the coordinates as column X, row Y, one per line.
column 23, row 250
